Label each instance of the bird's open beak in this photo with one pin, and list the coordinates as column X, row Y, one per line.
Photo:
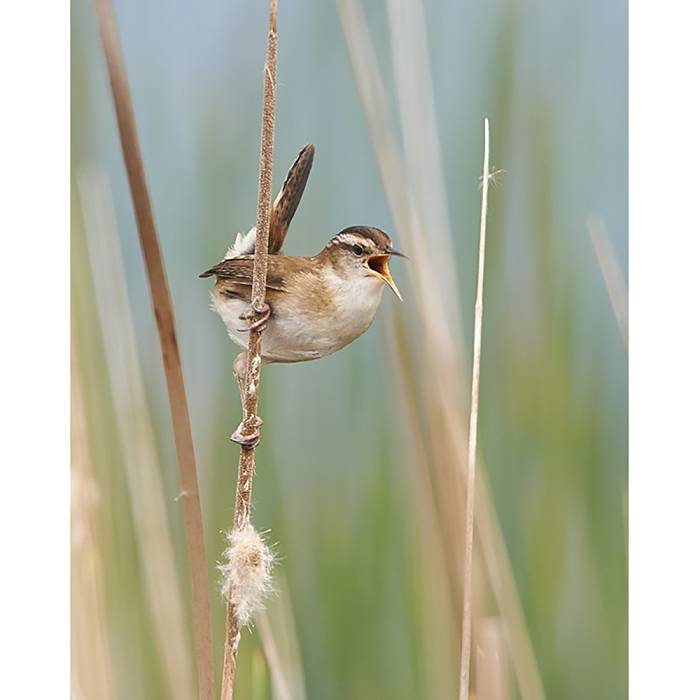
column 393, row 251
column 380, row 265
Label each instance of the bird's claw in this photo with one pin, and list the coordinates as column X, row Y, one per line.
column 260, row 323
column 247, row 439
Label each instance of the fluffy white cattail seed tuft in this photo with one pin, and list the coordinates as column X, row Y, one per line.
column 246, row 572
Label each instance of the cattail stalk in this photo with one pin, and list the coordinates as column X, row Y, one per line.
column 251, row 390
column 165, row 321
column 473, row 420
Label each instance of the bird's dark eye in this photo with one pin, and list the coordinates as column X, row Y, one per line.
column 358, row 249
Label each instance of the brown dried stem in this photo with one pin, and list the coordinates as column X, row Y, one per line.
column 250, row 393
column 473, row 419
column 162, row 307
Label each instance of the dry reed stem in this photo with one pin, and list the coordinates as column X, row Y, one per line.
column 505, row 592
column 249, row 396
column 135, row 430
column 439, row 635
column 612, row 275
column 421, row 143
column 281, row 635
column 398, row 342
column 473, row 421
column 163, row 310
column 280, row 683
column 441, row 360
column 278, row 636
column 423, row 175
column 91, row 663
column 491, row 661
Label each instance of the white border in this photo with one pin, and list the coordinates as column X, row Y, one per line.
column 664, row 351
column 34, row 349
column 664, row 355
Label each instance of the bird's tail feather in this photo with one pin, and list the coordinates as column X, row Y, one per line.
column 283, row 208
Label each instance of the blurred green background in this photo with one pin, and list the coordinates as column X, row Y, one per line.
column 333, row 476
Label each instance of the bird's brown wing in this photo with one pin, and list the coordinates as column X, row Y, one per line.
column 240, row 271
column 289, row 197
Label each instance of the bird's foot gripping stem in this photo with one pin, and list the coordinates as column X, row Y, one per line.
column 246, row 438
column 259, row 323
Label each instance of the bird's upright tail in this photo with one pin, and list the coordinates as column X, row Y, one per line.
column 283, row 208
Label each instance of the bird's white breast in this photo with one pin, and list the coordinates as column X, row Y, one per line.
column 296, row 333
column 356, row 301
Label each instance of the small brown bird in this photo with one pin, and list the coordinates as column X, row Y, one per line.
column 314, row 306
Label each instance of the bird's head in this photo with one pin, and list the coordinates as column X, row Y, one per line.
column 366, row 251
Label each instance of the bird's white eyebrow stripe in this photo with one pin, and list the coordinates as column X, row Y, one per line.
column 350, row 239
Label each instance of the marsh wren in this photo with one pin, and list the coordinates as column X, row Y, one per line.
column 314, row 306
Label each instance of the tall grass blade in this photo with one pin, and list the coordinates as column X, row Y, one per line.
column 278, row 635
column 491, row 661
column 91, row 664
column 421, row 145
column 135, row 431
column 280, row 682
column 505, row 592
column 612, row 275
